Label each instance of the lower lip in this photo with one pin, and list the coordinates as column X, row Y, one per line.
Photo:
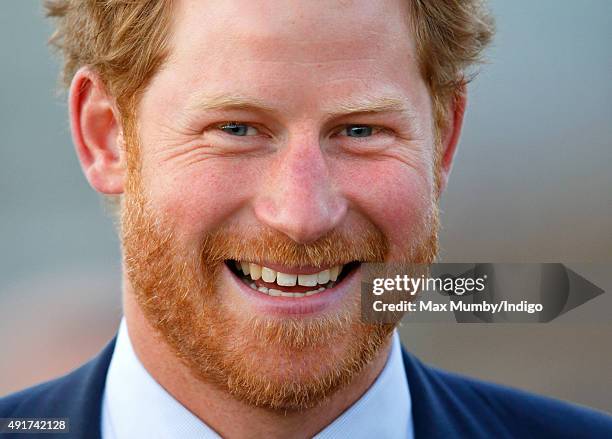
column 297, row 306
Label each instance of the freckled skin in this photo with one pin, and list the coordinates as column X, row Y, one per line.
column 300, row 67
column 298, row 172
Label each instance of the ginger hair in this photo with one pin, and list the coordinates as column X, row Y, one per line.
column 125, row 41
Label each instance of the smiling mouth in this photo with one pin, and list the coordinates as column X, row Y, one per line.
column 297, row 284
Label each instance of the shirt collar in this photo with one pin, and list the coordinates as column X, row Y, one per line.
column 135, row 405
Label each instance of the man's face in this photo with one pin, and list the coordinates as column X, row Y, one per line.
column 296, row 136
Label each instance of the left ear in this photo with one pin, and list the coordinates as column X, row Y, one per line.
column 450, row 135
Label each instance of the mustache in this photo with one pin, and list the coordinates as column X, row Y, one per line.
column 262, row 245
column 362, row 242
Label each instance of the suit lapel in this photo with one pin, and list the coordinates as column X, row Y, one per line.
column 78, row 396
column 432, row 402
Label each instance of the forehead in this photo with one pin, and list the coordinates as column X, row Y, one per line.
column 275, row 47
column 292, row 19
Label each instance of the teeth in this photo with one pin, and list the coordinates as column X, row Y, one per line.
column 255, row 271
column 279, row 293
column 307, row 280
column 334, row 272
column 326, row 277
column 268, row 275
column 245, row 267
column 286, row 280
column 323, row 277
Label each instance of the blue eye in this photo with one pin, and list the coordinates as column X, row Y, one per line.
column 358, row 131
column 238, row 129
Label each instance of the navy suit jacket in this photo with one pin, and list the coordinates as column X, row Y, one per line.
column 444, row 405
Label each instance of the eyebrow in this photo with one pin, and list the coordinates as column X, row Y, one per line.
column 368, row 104
column 229, row 102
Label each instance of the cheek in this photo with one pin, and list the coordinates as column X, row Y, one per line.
column 203, row 196
column 395, row 197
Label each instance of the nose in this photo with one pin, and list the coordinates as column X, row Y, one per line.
column 299, row 198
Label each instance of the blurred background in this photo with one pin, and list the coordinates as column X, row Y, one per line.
column 531, row 183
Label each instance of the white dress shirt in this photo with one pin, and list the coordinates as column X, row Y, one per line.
column 135, row 406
